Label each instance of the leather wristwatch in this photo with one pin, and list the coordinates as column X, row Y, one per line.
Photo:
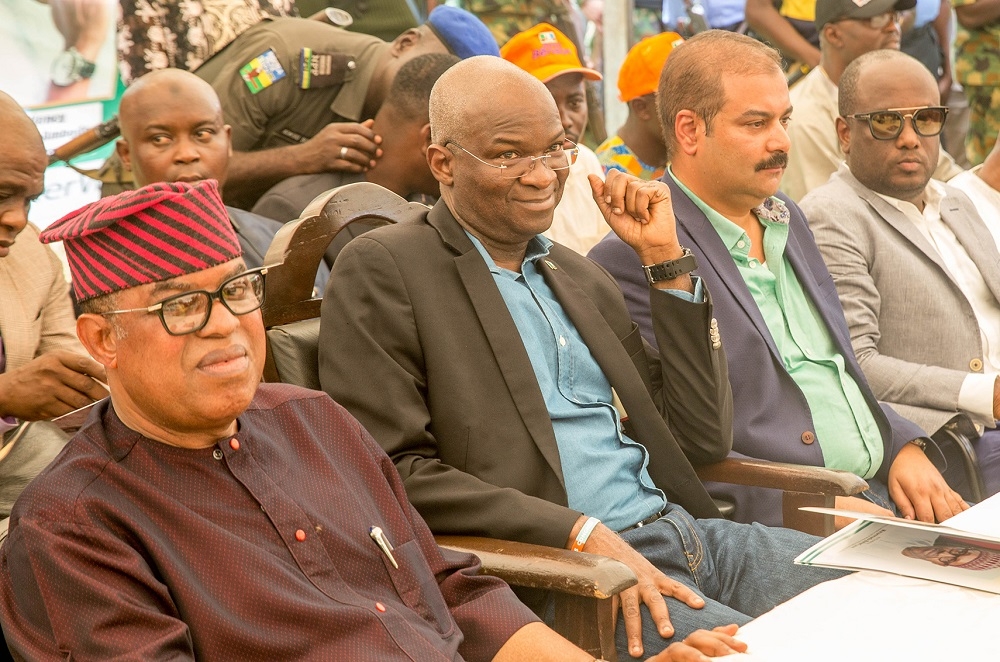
column 670, row 269
column 70, row 66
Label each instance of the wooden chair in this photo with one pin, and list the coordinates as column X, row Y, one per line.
column 583, row 585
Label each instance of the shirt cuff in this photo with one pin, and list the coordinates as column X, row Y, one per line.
column 976, row 398
column 698, row 296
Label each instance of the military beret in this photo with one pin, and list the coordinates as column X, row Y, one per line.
column 463, row 33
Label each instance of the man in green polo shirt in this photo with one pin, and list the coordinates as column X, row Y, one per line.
column 798, row 393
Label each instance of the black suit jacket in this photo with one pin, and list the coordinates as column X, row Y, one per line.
column 417, row 342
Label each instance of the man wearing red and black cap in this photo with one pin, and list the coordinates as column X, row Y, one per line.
column 199, row 514
column 550, row 56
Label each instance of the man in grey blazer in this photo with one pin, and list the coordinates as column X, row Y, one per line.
column 916, row 269
column 502, row 374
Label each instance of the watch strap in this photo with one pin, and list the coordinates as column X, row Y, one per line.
column 671, row 268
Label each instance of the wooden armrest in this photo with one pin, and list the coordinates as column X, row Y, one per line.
column 802, row 485
column 782, row 476
column 536, row 566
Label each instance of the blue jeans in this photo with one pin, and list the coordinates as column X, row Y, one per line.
column 741, row 570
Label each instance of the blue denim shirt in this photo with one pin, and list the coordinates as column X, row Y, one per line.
column 604, row 471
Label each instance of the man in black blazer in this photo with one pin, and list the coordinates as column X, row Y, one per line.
column 503, row 376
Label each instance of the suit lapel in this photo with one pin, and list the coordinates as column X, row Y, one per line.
column 896, row 219
column 717, row 258
column 501, row 334
column 600, row 338
column 971, row 232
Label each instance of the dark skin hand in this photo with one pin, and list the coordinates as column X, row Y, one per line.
column 51, row 385
column 361, row 142
column 702, row 645
column 652, row 586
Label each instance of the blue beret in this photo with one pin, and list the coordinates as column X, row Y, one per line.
column 463, row 33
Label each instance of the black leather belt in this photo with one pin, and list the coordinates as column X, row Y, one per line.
column 649, row 520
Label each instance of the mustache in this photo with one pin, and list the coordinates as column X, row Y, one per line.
column 779, row 160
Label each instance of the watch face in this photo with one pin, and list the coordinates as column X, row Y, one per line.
column 64, row 69
column 69, row 67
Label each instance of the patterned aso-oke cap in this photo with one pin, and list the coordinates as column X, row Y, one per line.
column 149, row 235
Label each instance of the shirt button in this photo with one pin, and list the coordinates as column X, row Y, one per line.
column 217, row 454
column 741, row 244
column 808, row 437
column 380, row 606
column 975, row 365
column 562, row 341
column 234, row 444
column 300, row 535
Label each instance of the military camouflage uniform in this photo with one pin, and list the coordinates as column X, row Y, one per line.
column 977, row 68
column 505, row 18
column 282, row 113
column 156, row 34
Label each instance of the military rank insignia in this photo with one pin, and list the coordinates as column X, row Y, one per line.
column 262, row 72
column 324, row 69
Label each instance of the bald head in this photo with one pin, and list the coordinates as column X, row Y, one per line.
column 17, row 126
column 172, row 129
column 22, row 170
column 475, row 132
column 456, row 108
column 866, row 72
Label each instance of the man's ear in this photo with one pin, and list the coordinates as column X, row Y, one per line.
column 687, row 127
column 99, row 338
column 124, row 153
column 228, row 130
column 440, row 160
column 405, row 41
column 831, row 33
column 644, row 107
column 425, row 137
column 844, row 135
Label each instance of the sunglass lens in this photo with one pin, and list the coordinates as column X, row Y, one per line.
column 885, row 125
column 929, row 121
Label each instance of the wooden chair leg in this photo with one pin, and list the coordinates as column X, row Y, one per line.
column 814, row 523
column 575, row 619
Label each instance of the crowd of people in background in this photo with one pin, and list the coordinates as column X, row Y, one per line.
column 578, row 317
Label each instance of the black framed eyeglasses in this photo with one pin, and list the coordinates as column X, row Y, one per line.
column 519, row 166
column 888, row 124
column 189, row 312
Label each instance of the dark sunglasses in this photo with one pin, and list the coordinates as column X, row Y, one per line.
column 888, row 124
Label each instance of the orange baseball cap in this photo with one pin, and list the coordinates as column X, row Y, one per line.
column 640, row 72
column 545, row 53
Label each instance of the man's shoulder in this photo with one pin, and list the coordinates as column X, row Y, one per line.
column 835, row 194
column 29, row 253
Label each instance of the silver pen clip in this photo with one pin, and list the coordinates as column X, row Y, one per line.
column 383, row 543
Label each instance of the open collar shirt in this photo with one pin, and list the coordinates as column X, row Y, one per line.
column 605, row 472
column 976, row 393
column 845, row 428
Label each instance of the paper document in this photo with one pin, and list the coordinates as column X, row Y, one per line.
column 965, row 551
